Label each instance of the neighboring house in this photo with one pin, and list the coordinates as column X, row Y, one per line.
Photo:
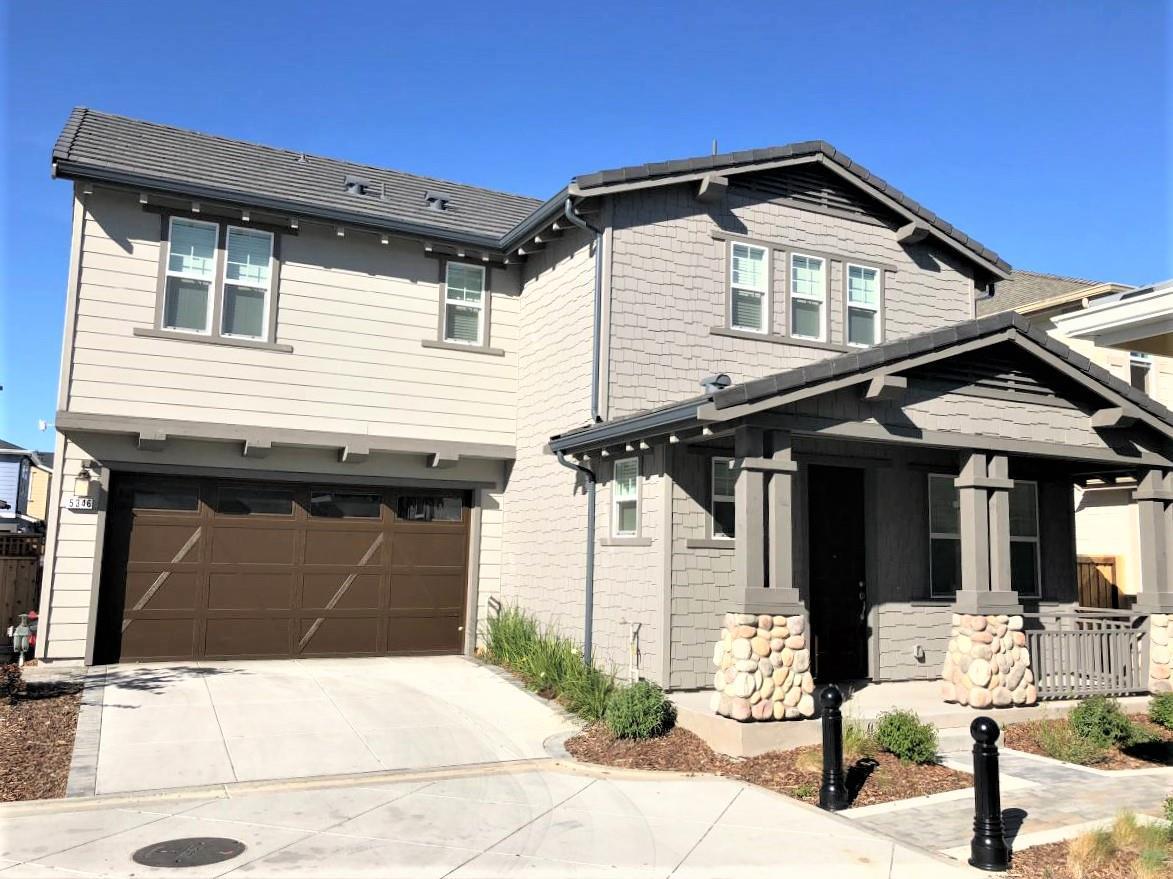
column 24, row 486
column 1129, row 332
column 332, row 409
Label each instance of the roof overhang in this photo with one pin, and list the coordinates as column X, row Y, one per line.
column 1127, row 321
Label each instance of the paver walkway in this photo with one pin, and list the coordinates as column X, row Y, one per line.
column 556, row 822
column 1047, row 796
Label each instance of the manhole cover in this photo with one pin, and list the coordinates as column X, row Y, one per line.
column 195, row 851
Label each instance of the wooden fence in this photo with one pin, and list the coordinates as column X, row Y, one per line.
column 1097, row 582
column 20, row 563
column 1087, row 653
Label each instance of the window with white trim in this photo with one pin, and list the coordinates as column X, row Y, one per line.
column 1140, row 370
column 464, row 303
column 722, row 507
column 1025, row 567
column 808, row 296
column 863, row 305
column 248, row 276
column 190, row 275
column 944, row 535
column 625, row 498
column 749, row 297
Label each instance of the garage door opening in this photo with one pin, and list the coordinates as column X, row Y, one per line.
column 230, row 569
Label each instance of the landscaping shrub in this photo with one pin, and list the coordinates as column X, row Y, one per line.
column 548, row 662
column 509, row 636
column 586, row 691
column 902, row 733
column 1099, row 720
column 1161, row 710
column 639, row 711
column 1062, row 742
column 1090, row 851
column 859, row 741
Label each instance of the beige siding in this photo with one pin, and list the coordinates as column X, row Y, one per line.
column 355, row 312
column 668, row 289
column 38, row 502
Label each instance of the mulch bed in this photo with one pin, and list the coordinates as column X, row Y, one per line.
column 879, row 780
column 36, row 740
column 1024, row 737
column 1050, row 861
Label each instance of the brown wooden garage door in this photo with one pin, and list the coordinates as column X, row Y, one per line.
column 227, row 569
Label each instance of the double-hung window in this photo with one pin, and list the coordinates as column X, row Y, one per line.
column 863, row 305
column 1024, row 538
column 808, row 296
column 625, row 498
column 218, row 281
column 749, row 297
column 722, row 508
column 944, row 535
column 190, row 276
column 464, row 303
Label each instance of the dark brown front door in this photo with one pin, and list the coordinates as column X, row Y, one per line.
column 837, row 568
column 223, row 569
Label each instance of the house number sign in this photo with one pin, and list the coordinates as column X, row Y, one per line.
column 74, row 502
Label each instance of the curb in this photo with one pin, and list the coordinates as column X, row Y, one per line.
column 83, row 766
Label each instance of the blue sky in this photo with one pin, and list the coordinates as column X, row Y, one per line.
column 1040, row 128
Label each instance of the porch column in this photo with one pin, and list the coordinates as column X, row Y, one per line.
column 1154, row 502
column 999, row 507
column 749, row 550
column 985, row 536
column 781, row 510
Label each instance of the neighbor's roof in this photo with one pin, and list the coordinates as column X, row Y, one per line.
column 115, row 149
column 1025, row 288
column 888, row 355
column 6, row 446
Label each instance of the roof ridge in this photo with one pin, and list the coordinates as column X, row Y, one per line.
column 1055, row 277
column 86, row 112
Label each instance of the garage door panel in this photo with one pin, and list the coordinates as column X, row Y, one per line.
column 162, row 589
column 421, row 591
column 334, row 635
column 250, row 591
column 430, row 548
column 347, row 591
column 166, row 638
column 151, row 542
column 336, row 546
column 254, row 546
column 245, row 636
column 424, row 633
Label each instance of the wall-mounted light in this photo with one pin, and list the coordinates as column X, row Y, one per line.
column 81, row 482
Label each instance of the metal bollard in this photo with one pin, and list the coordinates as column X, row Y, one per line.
column 833, row 794
column 988, row 849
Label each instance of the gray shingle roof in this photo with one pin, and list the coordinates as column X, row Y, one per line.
column 730, row 161
column 1025, row 288
column 94, row 143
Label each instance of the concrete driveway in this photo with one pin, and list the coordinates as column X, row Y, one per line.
column 556, row 822
column 198, row 723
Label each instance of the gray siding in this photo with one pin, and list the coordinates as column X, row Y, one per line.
column 9, row 484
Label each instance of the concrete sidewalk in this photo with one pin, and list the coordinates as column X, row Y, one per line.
column 559, row 821
column 168, row 725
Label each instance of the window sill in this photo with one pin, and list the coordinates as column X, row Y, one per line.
column 152, row 333
column 625, row 541
column 456, row 346
column 778, row 339
column 710, row 543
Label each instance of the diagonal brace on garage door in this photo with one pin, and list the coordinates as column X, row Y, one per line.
column 346, row 584
column 162, row 578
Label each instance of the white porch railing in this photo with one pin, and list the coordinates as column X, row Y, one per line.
column 1087, row 653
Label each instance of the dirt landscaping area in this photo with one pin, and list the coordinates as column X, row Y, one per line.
column 37, row 725
column 795, row 773
column 1126, row 850
column 1031, row 736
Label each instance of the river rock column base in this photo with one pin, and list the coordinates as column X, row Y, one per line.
column 763, row 669
column 988, row 663
column 1161, row 653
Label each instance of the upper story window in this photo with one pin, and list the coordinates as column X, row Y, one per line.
column 749, row 298
column 863, row 305
column 1140, row 370
column 723, row 507
column 464, row 303
column 217, row 281
column 808, row 297
column 625, row 498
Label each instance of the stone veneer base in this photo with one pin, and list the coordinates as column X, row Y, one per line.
column 1161, row 653
column 763, row 669
column 988, row 662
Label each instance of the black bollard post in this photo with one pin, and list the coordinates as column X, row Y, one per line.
column 833, row 794
column 988, row 849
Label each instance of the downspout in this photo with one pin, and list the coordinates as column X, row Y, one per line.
column 589, row 585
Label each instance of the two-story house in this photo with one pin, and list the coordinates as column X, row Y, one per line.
column 332, row 409
column 24, row 486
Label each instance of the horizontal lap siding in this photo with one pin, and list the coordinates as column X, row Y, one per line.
column 354, row 311
column 74, row 547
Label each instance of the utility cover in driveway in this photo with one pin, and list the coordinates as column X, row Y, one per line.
column 225, row 569
column 196, row 851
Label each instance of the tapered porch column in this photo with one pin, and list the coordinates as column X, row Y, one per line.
column 998, row 487
column 984, row 523
column 1154, row 502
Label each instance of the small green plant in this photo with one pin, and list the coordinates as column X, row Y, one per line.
column 1169, row 812
column 1099, row 720
column 1161, row 710
column 904, row 734
column 859, row 741
column 805, row 791
column 586, row 690
column 1150, row 863
column 548, row 663
column 1061, row 741
column 639, row 711
column 509, row 636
